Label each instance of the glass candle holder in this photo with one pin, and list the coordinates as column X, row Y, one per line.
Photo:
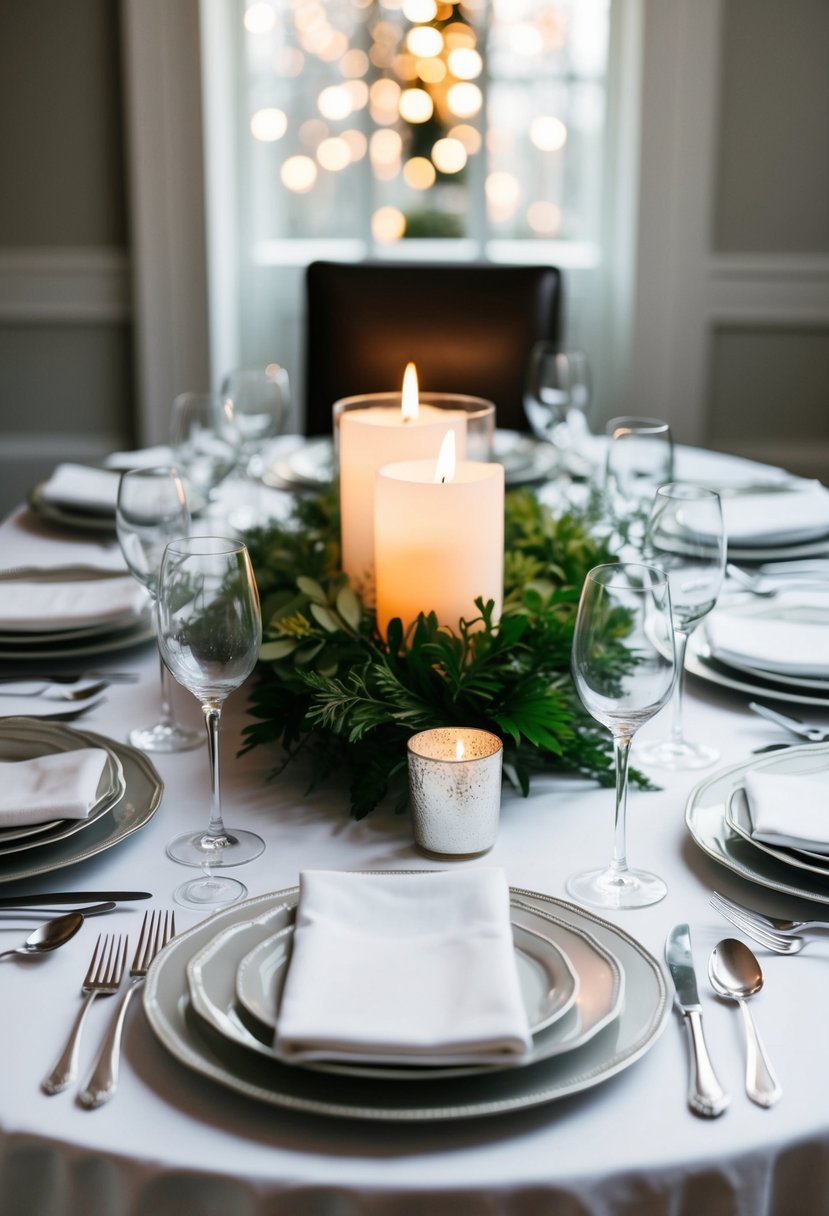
column 455, row 790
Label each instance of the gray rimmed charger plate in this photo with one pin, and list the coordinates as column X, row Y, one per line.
column 548, row 984
column 102, row 643
column 132, row 810
column 641, row 1020
column 706, row 820
column 738, row 817
column 19, row 742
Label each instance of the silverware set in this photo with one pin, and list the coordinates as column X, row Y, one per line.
column 104, row 977
column 781, row 936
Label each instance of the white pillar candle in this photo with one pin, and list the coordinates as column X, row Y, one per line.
column 438, row 545
column 374, row 430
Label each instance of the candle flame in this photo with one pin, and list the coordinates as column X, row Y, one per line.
column 460, row 750
column 409, row 400
column 445, row 467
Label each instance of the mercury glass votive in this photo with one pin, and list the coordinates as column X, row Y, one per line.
column 455, row 790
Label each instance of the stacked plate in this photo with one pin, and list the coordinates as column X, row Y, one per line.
column 596, row 1001
column 718, row 818
column 67, row 612
column 78, row 497
column 778, row 647
column 783, row 519
column 127, row 797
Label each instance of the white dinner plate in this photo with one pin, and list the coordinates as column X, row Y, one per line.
column 136, row 806
column 738, row 817
column 699, row 662
column 619, row 1044
column 76, row 518
column 549, row 988
column 39, row 738
column 103, row 643
column 707, row 822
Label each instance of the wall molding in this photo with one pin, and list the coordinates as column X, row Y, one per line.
column 83, row 285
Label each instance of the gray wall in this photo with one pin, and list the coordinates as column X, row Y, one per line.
column 65, row 331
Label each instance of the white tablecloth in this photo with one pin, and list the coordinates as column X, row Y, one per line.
column 174, row 1144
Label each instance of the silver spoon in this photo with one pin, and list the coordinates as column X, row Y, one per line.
column 49, row 936
column 736, row 975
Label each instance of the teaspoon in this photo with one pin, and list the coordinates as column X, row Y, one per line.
column 736, row 975
column 49, row 936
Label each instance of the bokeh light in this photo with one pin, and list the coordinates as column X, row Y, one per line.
column 548, row 133
column 334, row 154
column 298, row 173
column 268, row 124
column 464, row 99
column 388, row 224
column 419, row 173
column 416, row 105
column 259, row 18
column 449, row 155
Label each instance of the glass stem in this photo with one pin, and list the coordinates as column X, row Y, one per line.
column 166, row 703
column 621, row 752
column 212, row 716
column 681, row 643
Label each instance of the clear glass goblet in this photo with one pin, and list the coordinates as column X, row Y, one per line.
column 210, row 631
column 205, row 440
column 557, row 395
column 640, row 458
column 261, row 399
column 623, row 668
column 685, row 537
column 151, row 510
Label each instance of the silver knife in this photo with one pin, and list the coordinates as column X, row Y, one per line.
column 705, row 1094
column 69, row 897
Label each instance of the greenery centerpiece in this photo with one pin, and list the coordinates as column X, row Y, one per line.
column 330, row 687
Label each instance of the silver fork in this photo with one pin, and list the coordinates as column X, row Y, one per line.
column 156, row 931
column 775, row 923
column 103, row 978
column 55, row 692
column 755, row 927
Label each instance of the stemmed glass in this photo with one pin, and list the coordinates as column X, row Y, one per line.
column 205, row 440
column 623, row 668
column 261, row 399
column 210, row 630
column 640, row 458
column 685, row 537
column 152, row 510
column 557, row 393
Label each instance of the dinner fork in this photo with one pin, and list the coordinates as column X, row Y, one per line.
column 775, row 923
column 103, row 978
column 156, row 931
column 813, row 734
column 761, row 929
column 54, row 692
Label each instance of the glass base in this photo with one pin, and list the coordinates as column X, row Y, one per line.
column 611, row 888
column 676, row 754
column 209, row 892
column 165, row 737
column 201, row 849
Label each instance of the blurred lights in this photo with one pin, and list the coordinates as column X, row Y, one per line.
column 548, row 134
column 420, row 10
column 357, row 143
column 354, row 63
column 268, row 124
column 544, row 218
column 430, row 71
column 416, row 105
column 502, row 194
column 334, row 154
column 464, row 100
column 388, row 224
column 298, row 173
column 419, row 173
column 334, row 102
column 424, row 41
column 449, row 155
column 259, row 18
column 385, row 147
column 468, row 136
column 465, row 63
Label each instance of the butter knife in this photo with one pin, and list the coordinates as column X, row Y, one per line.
column 70, row 897
column 705, row 1094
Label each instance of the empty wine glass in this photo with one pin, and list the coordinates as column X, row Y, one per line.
column 210, row 630
column 557, row 393
column 685, row 537
column 205, row 440
column 640, row 458
column 261, row 399
column 623, row 668
column 152, row 510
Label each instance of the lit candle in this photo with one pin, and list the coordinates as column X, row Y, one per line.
column 455, row 788
column 438, row 539
column 375, row 430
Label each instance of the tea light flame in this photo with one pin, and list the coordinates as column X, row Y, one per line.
column 445, row 467
column 409, row 400
column 460, row 750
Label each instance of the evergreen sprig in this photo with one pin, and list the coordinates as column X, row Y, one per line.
column 330, row 687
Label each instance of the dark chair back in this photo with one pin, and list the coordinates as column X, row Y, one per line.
column 469, row 328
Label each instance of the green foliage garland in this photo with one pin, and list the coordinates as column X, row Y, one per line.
column 330, row 687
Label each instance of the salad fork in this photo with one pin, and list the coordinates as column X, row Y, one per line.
column 103, row 978
column 156, row 931
column 762, row 929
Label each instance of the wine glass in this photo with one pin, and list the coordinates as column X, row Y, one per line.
column 557, row 393
column 210, row 630
column 205, row 440
column 685, row 537
column 623, row 668
column 151, row 510
column 261, row 399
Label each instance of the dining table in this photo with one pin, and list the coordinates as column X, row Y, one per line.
column 174, row 1141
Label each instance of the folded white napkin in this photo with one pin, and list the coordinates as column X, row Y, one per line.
column 29, row 540
column 35, row 607
column 791, row 638
column 781, row 518
column 78, row 485
column 403, row 968
column 790, row 809
column 61, row 785
column 141, row 458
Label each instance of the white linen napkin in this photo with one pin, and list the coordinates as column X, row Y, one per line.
column 60, row 785
column 79, row 485
column 791, row 638
column 780, row 518
column 34, row 607
column 790, row 810
column 403, row 968
column 31, row 541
